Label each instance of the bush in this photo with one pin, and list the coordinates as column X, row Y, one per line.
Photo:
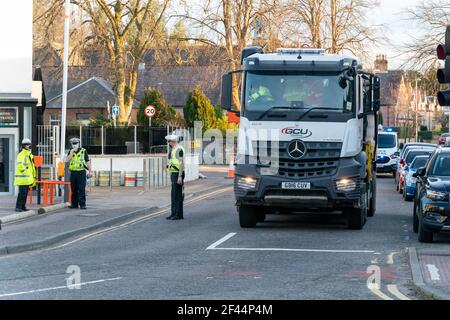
column 199, row 108
column 165, row 114
column 426, row 135
column 100, row 121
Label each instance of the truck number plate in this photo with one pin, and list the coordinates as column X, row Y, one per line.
column 296, row 185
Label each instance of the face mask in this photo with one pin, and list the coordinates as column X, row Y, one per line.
column 75, row 147
column 27, row 147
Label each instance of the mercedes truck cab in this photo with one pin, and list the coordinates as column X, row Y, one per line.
column 308, row 135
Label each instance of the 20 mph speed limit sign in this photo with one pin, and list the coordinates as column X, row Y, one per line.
column 150, row 112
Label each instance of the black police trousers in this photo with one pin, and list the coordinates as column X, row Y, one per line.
column 78, row 183
column 177, row 196
column 21, row 202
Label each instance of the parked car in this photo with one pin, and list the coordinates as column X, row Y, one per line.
column 409, row 157
column 387, row 152
column 404, row 150
column 431, row 201
column 410, row 182
column 443, row 138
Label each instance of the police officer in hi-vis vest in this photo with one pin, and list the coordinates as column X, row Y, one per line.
column 175, row 168
column 25, row 174
column 79, row 163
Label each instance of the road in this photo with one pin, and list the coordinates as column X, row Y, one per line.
column 208, row 256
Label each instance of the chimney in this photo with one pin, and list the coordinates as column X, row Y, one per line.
column 381, row 63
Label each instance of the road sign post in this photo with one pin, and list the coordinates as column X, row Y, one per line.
column 150, row 112
column 115, row 112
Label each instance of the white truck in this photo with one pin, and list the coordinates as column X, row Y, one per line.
column 324, row 109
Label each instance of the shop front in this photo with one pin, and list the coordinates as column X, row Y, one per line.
column 17, row 121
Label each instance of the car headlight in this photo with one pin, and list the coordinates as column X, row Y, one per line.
column 436, row 195
column 346, row 185
column 394, row 156
column 246, row 183
column 411, row 180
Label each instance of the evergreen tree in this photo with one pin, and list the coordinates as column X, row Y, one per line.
column 199, row 108
column 165, row 114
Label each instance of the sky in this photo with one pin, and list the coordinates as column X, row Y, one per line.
column 398, row 30
column 388, row 13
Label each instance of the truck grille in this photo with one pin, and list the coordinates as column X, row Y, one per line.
column 321, row 159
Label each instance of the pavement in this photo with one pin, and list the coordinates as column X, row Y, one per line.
column 208, row 256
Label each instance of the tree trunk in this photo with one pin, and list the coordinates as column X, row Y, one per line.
column 131, row 89
column 120, row 81
column 230, row 49
column 334, row 34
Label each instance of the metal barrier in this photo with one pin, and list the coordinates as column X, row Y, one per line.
column 140, row 172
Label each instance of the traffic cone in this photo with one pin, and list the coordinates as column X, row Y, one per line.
column 230, row 170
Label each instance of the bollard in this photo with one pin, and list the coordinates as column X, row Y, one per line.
column 146, row 182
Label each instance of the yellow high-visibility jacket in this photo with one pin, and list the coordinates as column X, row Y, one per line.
column 25, row 169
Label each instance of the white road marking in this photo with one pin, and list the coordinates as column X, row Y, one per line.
column 135, row 221
column 390, row 257
column 56, row 288
column 379, row 294
column 218, row 243
column 293, row 250
column 434, row 272
column 392, row 288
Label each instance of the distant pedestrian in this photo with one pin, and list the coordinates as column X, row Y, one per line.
column 177, row 175
column 25, row 174
column 79, row 164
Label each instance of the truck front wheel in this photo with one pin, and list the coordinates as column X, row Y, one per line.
column 248, row 216
column 261, row 215
column 356, row 218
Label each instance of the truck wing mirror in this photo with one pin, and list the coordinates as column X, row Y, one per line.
column 227, row 91
column 376, row 94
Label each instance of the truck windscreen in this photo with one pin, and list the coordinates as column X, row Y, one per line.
column 294, row 93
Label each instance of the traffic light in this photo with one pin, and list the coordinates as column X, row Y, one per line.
column 443, row 75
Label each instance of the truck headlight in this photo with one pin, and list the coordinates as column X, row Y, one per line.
column 436, row 195
column 246, row 183
column 346, row 185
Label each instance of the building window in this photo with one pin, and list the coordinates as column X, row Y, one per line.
column 55, row 119
column 83, row 116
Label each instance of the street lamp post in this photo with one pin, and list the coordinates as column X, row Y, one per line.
column 417, row 110
column 65, row 77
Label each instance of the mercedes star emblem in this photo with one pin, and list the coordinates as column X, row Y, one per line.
column 297, row 149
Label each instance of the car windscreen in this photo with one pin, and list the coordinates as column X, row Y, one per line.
column 419, row 162
column 442, row 166
column 387, row 141
column 412, row 154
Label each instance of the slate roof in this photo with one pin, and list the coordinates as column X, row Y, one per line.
column 93, row 93
column 88, row 89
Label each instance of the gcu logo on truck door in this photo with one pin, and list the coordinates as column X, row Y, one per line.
column 297, row 132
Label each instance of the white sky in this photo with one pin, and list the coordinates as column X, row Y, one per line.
column 397, row 29
column 388, row 14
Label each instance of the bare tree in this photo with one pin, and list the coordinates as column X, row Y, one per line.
column 127, row 29
column 335, row 25
column 433, row 16
column 227, row 24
